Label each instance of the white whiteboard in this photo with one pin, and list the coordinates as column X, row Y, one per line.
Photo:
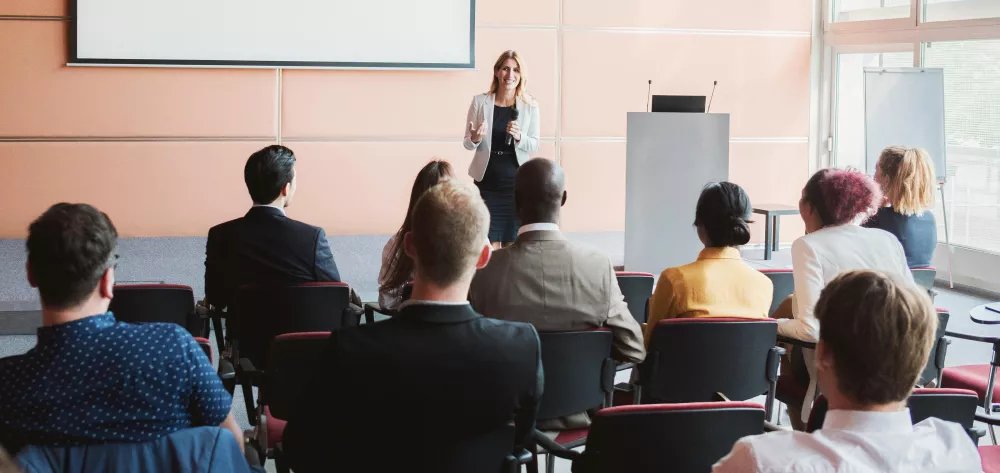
column 905, row 106
column 275, row 33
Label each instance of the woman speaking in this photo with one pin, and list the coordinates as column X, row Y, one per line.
column 503, row 130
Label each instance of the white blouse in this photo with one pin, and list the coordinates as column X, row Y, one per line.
column 820, row 256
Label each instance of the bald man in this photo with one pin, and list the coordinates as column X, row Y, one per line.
column 551, row 282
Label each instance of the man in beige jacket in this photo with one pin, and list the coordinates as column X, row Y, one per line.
column 551, row 282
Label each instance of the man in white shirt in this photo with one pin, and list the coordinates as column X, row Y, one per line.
column 875, row 337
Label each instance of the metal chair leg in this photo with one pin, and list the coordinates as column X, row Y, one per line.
column 550, row 463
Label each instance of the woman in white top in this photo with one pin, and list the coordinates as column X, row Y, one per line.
column 397, row 267
column 502, row 127
column 834, row 203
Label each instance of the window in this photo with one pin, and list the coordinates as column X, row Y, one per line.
column 864, row 10
column 972, row 129
column 849, row 125
column 948, row 10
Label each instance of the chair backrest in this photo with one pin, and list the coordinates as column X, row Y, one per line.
column 784, row 286
column 143, row 303
column 637, row 289
column 935, row 362
column 579, row 371
column 291, row 365
column 264, row 312
column 924, row 277
column 690, row 360
column 952, row 405
column 667, row 437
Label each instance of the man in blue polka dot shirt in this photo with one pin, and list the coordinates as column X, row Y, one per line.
column 91, row 379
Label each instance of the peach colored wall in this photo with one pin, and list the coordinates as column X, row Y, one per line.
column 162, row 150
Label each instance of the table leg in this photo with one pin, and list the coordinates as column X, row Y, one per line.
column 767, row 237
column 777, row 225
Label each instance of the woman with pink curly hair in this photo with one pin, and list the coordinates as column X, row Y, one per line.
column 834, row 203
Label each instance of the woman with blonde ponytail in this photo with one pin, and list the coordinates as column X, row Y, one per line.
column 907, row 178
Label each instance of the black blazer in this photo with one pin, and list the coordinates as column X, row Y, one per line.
column 264, row 247
column 917, row 234
column 393, row 396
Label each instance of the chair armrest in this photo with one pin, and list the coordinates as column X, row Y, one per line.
column 552, row 447
column 989, row 420
column 773, row 361
column 248, row 372
column 797, row 342
column 977, row 433
column 941, row 353
column 625, row 366
column 370, row 310
column 226, row 370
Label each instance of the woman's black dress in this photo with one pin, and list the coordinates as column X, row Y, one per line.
column 497, row 186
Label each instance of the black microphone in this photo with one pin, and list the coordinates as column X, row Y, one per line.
column 649, row 90
column 714, row 83
column 513, row 117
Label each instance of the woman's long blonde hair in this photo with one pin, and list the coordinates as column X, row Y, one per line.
column 907, row 178
column 521, row 85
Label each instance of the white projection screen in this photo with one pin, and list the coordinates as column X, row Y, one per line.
column 435, row 34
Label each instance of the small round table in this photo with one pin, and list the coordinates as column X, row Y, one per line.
column 983, row 315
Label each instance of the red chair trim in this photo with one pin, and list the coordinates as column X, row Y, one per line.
column 592, row 329
column 138, row 287
column 695, row 320
column 774, row 270
column 302, row 336
column 946, row 391
column 942, row 311
column 308, row 284
column 633, row 274
column 684, row 406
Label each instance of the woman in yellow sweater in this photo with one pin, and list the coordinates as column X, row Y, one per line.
column 719, row 283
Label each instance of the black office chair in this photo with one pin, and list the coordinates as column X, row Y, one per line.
column 710, row 359
column 262, row 313
column 637, row 289
column 784, row 286
column 170, row 303
column 655, row 438
column 579, row 375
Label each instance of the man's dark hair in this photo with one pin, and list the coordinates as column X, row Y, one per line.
column 69, row 248
column 539, row 187
column 267, row 171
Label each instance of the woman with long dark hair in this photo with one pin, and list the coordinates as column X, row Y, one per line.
column 397, row 268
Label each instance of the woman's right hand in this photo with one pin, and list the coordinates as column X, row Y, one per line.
column 476, row 134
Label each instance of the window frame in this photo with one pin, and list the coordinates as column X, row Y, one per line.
column 971, row 266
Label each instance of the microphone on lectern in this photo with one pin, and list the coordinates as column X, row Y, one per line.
column 714, row 84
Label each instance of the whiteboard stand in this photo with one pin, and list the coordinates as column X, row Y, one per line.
column 947, row 238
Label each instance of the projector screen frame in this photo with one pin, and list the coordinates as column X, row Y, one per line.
column 75, row 60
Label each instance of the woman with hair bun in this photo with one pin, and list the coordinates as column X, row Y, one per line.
column 719, row 283
column 834, row 202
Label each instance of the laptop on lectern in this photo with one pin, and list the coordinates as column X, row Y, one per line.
column 679, row 103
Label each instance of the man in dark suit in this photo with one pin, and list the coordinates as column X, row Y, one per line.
column 427, row 389
column 265, row 246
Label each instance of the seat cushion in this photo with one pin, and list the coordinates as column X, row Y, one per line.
column 572, row 436
column 990, row 455
column 275, row 428
column 789, row 390
column 971, row 377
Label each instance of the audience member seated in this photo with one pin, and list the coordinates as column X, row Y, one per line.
column 265, row 246
column 719, row 283
column 906, row 176
column 875, row 337
column 91, row 379
column 404, row 394
column 833, row 203
column 397, row 268
column 551, row 282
